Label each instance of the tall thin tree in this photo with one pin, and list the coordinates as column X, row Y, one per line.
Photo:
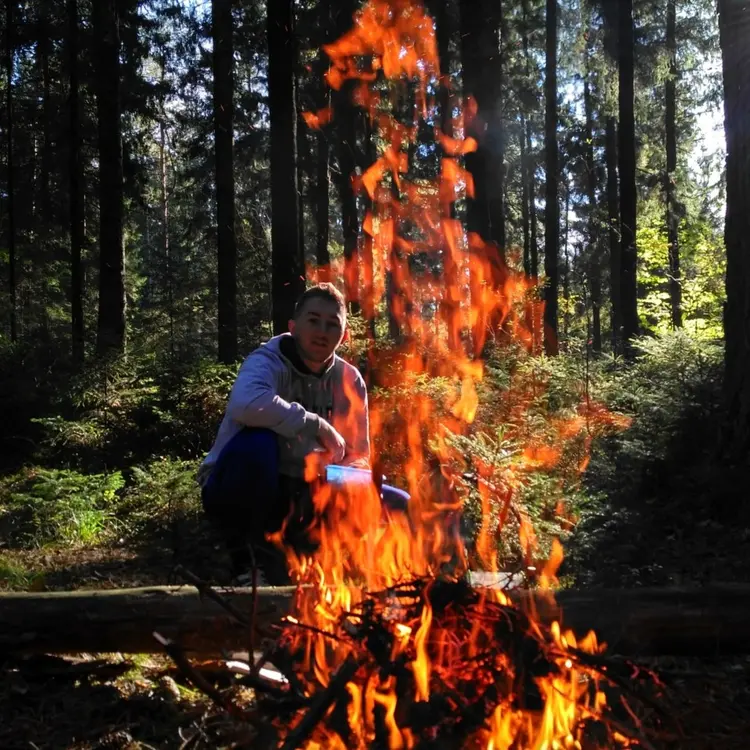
column 223, row 104
column 672, row 217
column 347, row 119
column 322, row 201
column 45, row 52
column 734, row 27
column 613, row 222
column 287, row 263
column 482, row 76
column 594, row 241
column 10, row 166
column 323, row 151
column 609, row 13
column 627, row 172
column 75, row 186
column 551, row 208
column 527, row 150
column 450, row 302
column 164, row 195
column 110, row 332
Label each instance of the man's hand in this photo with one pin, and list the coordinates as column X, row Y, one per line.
column 331, row 440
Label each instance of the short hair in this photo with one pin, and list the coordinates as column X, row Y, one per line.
column 325, row 290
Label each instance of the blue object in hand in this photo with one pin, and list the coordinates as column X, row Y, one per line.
column 392, row 497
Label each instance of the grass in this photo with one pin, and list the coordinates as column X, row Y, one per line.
column 15, row 576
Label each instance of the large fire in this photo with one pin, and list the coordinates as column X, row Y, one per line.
column 406, row 653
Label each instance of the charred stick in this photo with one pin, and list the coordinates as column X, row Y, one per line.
column 312, row 629
column 605, row 669
column 321, row 703
column 206, row 590
column 254, row 604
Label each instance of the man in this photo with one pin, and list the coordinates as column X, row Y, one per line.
column 295, row 405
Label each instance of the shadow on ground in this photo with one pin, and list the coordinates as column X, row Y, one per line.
column 50, row 702
column 147, row 559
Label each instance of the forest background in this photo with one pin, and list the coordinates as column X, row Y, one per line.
column 162, row 201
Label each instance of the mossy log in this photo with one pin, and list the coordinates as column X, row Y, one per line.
column 632, row 621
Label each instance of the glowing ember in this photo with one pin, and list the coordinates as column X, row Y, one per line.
column 385, row 629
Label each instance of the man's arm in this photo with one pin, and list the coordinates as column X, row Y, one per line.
column 255, row 402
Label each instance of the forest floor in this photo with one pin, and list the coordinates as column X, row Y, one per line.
column 135, row 702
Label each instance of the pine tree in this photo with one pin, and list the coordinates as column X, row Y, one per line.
column 10, row 167
column 75, row 185
column 627, row 173
column 734, row 24
column 672, row 218
column 288, row 262
column 551, row 207
column 110, row 331
column 223, row 68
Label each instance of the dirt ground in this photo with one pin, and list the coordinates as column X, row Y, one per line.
column 134, row 702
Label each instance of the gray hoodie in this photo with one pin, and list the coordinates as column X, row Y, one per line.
column 276, row 390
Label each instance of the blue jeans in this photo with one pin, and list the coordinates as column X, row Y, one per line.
column 247, row 498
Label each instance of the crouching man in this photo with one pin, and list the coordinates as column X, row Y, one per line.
column 293, row 397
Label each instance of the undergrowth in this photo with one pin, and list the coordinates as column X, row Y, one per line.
column 112, row 452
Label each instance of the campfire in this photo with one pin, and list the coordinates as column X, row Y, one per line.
column 388, row 644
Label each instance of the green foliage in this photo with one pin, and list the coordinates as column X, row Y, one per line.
column 127, row 411
column 160, row 492
column 44, row 506
column 673, row 392
column 672, row 374
column 531, row 467
column 703, row 268
column 14, row 575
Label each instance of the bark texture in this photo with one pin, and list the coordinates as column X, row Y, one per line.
column 223, row 64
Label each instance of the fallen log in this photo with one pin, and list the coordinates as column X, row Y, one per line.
column 703, row 621
column 124, row 620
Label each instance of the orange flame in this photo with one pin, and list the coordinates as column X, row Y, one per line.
column 433, row 380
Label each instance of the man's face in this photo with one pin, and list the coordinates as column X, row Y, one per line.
column 318, row 329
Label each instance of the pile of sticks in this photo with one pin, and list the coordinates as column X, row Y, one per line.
column 509, row 656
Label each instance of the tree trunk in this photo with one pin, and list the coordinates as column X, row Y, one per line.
column 566, row 267
column 528, row 153
column 734, row 27
column 287, row 262
column 482, row 81
column 613, row 220
column 45, row 43
column 533, row 238
column 673, row 221
column 450, row 305
column 303, row 161
column 45, row 218
column 346, row 154
column 323, row 159
column 482, row 76
column 10, row 168
column 75, row 188
column 594, row 242
column 703, row 621
column 626, row 164
column 551, row 208
column 525, row 199
column 223, row 103
column 322, row 204
column 165, row 218
column 110, row 333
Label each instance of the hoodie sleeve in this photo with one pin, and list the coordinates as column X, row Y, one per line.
column 255, row 401
column 356, row 430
